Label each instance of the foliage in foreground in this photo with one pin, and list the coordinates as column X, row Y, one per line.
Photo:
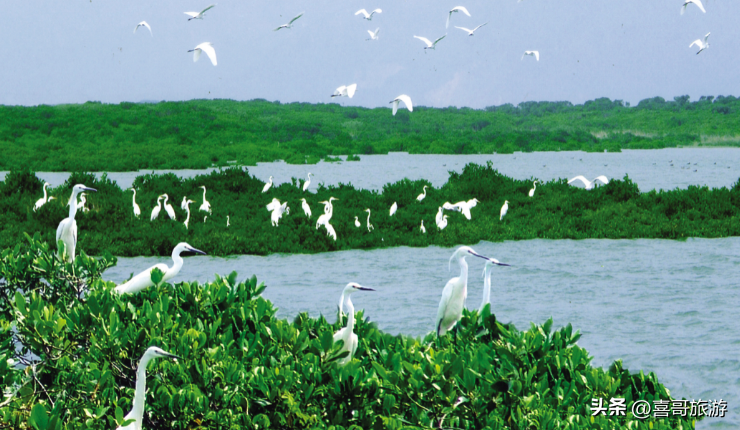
column 244, row 368
column 557, row 211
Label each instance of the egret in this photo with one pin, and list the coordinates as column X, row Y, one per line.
column 589, row 185
column 696, row 2
column 40, row 202
column 277, row 213
column 454, row 293
column 394, row 208
column 168, row 208
column 330, row 231
column 471, row 32
column 308, row 182
column 369, row 226
column 346, row 333
column 442, row 223
column 198, row 15
column 183, row 203
column 430, row 44
column 423, row 195
column 137, row 409
column 290, row 24
column 450, row 207
column 67, row 230
column 205, row 206
column 531, row 192
column 227, row 221
column 137, row 210
column 83, row 200
column 402, row 98
column 206, row 47
column 456, row 9
column 464, row 207
column 702, row 44
column 306, row 208
column 144, row 279
column 328, row 212
column 438, row 218
column 143, row 24
column 157, row 208
column 274, row 204
column 368, row 16
column 535, row 54
column 504, row 209
column 187, row 209
column 422, row 228
column 374, row 34
column 357, row 222
column 267, row 186
column 487, row 281
column 205, row 218
column 345, row 91
column 472, row 203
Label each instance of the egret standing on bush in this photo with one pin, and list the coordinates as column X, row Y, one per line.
column 308, row 182
column 306, row 208
column 67, row 230
column 168, row 208
column 531, row 192
column 206, row 207
column 487, row 281
column 40, row 202
column 369, row 226
column 157, row 208
column 187, row 209
column 423, row 194
column 137, row 211
column 504, row 209
column 144, row 279
column 394, row 208
column 346, row 333
column 267, row 186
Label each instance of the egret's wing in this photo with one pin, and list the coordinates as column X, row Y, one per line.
column 362, row 11
column 395, row 106
column 282, row 26
column 465, row 29
column 142, row 280
column 697, row 42
column 446, row 295
column 425, row 40
column 208, row 49
column 206, row 9
column 537, row 55
column 274, row 204
column 191, row 14
column 579, row 178
column 602, row 178
column 372, row 35
column 338, row 92
column 461, row 9
column 146, row 24
column 376, row 11
column 701, row 6
column 351, row 90
column 435, row 42
column 60, row 229
column 300, row 15
column 706, row 37
column 196, row 54
column 479, row 26
column 407, row 101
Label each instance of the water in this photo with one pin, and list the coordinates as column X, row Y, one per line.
column 663, row 306
column 650, row 169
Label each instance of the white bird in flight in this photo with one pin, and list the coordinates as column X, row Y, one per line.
column 290, row 24
column 205, row 206
column 143, row 24
column 206, row 47
column 373, row 34
column 267, row 186
column 308, row 182
column 157, row 208
column 423, row 194
column 487, row 282
column 168, row 208
column 464, row 207
column 504, row 209
column 67, row 230
column 368, row 16
column 589, row 184
column 40, row 202
column 394, row 208
column 470, row 32
column 535, row 54
column 430, row 45
column 454, row 293
column 702, row 44
column 306, row 208
column 345, row 91
column 455, row 10
column 144, row 279
column 346, row 334
column 198, row 15
column 531, row 192
column 402, row 98
column 696, row 2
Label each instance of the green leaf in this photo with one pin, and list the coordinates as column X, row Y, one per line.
column 327, row 340
column 156, row 276
column 39, row 418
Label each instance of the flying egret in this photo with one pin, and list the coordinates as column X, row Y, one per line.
column 504, row 209
column 442, row 223
column 206, row 47
column 137, row 409
column 471, row 32
column 290, row 24
column 267, row 186
column 394, row 208
column 308, row 182
column 454, row 293
column 187, row 209
column 67, row 230
column 274, row 204
column 357, row 222
column 306, row 208
column 368, row 16
column 227, row 221
column 157, row 208
column 346, row 333
column 535, row 54
column 531, row 192
column 205, row 206
column 423, row 195
column 143, row 24
column 40, row 202
column 345, row 91
column 198, row 15
column 696, row 2
column 456, row 9
column 330, row 231
column 422, row 228
column 402, row 98
column 464, row 207
column 278, row 212
column 430, row 44
column 589, row 185
column 702, row 44
column 450, row 207
column 487, row 281
column 369, row 226
column 168, row 208
column 144, row 279
column 373, row 34
column 83, row 200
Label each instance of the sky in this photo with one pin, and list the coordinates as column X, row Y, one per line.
column 85, row 50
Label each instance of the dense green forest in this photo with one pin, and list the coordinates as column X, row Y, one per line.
column 201, row 133
column 240, row 367
column 557, row 211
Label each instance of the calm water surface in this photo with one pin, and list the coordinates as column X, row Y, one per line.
column 664, row 306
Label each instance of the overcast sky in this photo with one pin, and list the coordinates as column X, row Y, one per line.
column 78, row 50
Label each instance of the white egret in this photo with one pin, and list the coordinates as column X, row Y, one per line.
column 368, row 16
column 306, row 208
column 535, row 54
column 402, row 98
column 374, row 34
column 267, row 186
column 345, row 91
column 471, row 32
column 168, row 208
column 187, row 209
column 144, row 24
column 330, row 231
column 464, row 207
column 430, row 44
column 40, row 202
column 504, row 209
column 369, row 226
column 227, row 221
column 157, row 208
column 422, row 228
column 205, row 218
column 278, row 212
column 438, row 218
column 423, row 195
column 531, row 192
column 442, row 223
column 454, row 293
column 274, row 204
column 83, row 200
column 346, row 333
column 328, row 212
column 702, row 44
column 357, row 222
column 144, row 279
column 137, row 210
column 696, row 2
column 487, row 281
column 473, row 203
column 205, row 206
column 183, row 203
column 450, row 207
column 589, row 184
column 198, row 15
column 206, row 47
column 456, row 9
column 394, row 208
column 67, row 230
column 308, row 182
column 137, row 409
column 290, row 24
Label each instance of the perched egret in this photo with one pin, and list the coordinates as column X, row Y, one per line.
column 144, row 279
column 198, row 15
column 456, row 9
column 471, row 32
column 369, row 226
column 267, row 186
column 531, row 192
column 438, row 218
column 137, row 409
column 368, row 16
column 205, row 206
column 290, row 24
column 137, row 210
column 206, row 47
column 227, row 221
column 40, row 202
column 330, row 231
column 67, row 230
column 306, row 208
column 157, row 208
column 454, row 293
column 374, row 34
column 589, row 185
column 504, row 209
column 442, row 223
column 696, row 2
column 143, row 24
column 472, row 203
column 357, row 222
column 187, row 209
column 423, row 195
column 394, row 208
column 278, row 212
column 487, row 281
column 422, row 228
column 402, row 98
column 430, row 44
column 308, row 182
column 328, row 212
column 183, row 203
column 345, row 91
column 702, row 44
column 168, row 208
column 83, row 200
column 346, row 333
column 535, row 54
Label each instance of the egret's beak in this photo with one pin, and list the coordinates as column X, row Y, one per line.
column 197, row 251
column 494, row 261
column 365, row 289
column 173, row 356
column 90, row 189
column 480, row 256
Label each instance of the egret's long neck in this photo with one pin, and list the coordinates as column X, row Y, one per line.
column 204, row 194
column 134, row 198
column 464, row 275
column 368, row 218
column 187, row 209
column 73, row 205
column 45, row 198
column 535, row 185
column 350, row 321
column 175, row 269
column 140, row 395
column 486, row 289
column 341, row 305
